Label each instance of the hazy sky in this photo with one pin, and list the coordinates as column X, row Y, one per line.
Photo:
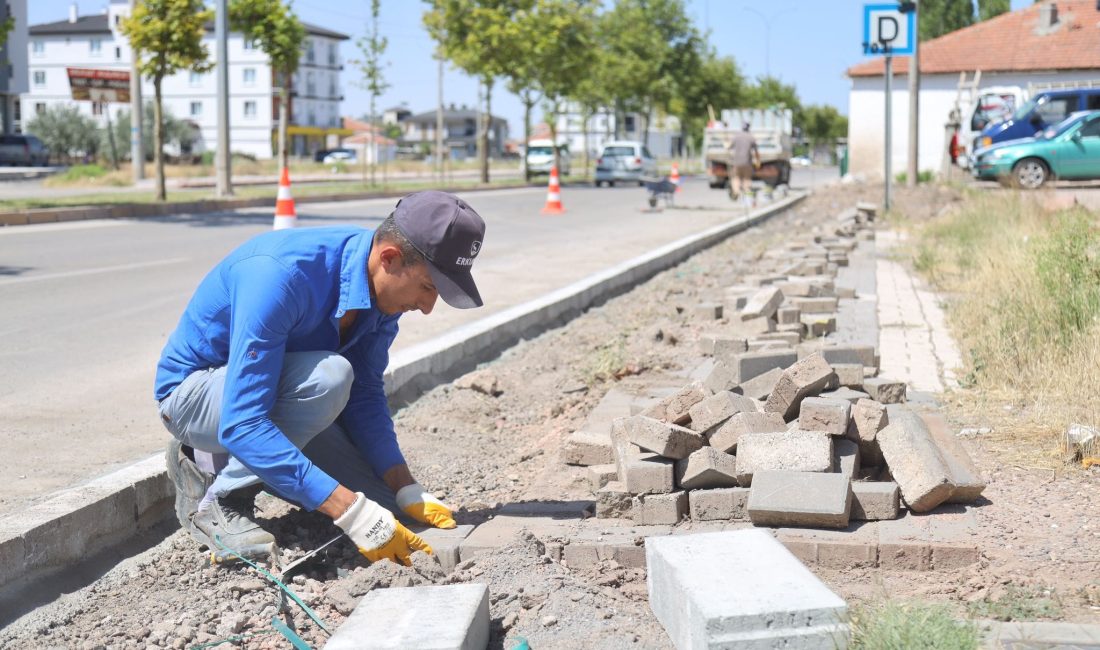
column 809, row 43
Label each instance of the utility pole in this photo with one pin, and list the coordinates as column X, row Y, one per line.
column 224, row 186
column 137, row 114
column 889, row 124
column 439, row 123
column 914, row 102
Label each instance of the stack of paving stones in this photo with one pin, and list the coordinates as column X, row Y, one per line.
column 785, row 428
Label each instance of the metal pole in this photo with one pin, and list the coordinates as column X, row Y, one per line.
column 889, row 125
column 222, row 157
column 137, row 114
column 914, row 104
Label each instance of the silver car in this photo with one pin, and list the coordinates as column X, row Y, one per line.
column 624, row 160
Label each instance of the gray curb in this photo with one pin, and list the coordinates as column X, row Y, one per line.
column 78, row 522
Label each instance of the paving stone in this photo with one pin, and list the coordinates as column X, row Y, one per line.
column 725, row 347
column 706, row 468
column 823, row 414
column 752, row 327
column 885, row 391
column 798, row 288
column 848, row 375
column 722, row 377
column 707, row 311
column 965, row 475
column 624, row 450
column 649, row 474
column 763, row 303
column 718, row 504
column 690, row 579
column 791, row 339
column 868, row 418
column 801, row 451
column 788, row 315
column 587, row 448
column 601, row 475
column 447, row 617
column 851, row 547
column 806, row 378
column 846, row 457
column 915, row 462
column 797, row 328
column 623, row 542
column 818, row 325
column 725, row 437
column 709, row 414
column 861, row 354
column 674, row 408
column 761, row 386
column 613, row 501
column 846, row 394
column 446, row 543
column 757, row 345
column 754, row 364
column 668, row 440
column 503, row 529
column 655, row 509
column 820, row 305
column 785, row 498
column 873, row 501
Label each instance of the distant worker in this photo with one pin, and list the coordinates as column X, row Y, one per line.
column 283, row 345
column 744, row 157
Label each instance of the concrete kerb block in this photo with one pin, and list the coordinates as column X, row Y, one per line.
column 154, row 494
column 613, row 501
column 587, row 448
column 718, row 504
column 689, row 579
column 601, row 475
column 76, row 523
column 12, row 554
column 784, row 498
column 446, row 617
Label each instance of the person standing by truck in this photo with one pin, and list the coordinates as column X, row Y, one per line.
column 744, row 156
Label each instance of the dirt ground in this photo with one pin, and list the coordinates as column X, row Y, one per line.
column 1039, row 533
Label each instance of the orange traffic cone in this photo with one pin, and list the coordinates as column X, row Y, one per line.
column 285, row 216
column 553, row 194
column 674, row 177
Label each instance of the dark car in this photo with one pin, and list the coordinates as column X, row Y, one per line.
column 23, row 151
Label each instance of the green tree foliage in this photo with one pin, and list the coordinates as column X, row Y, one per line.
column 372, row 68
column 939, row 17
column 274, row 27
column 67, row 132
column 991, row 8
column 167, row 36
column 175, row 130
column 821, row 124
column 715, row 84
column 770, row 91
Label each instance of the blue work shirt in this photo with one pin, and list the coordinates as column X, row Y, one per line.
column 280, row 292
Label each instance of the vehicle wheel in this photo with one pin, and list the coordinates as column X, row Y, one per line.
column 785, row 174
column 641, row 183
column 1030, row 174
column 599, row 183
column 611, row 183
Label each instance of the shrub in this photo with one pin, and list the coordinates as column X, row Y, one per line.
column 909, row 626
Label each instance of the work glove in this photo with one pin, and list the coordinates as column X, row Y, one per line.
column 419, row 504
column 377, row 534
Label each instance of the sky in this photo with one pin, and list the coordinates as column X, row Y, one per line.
column 807, row 43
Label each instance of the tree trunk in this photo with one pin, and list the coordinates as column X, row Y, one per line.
column 487, row 119
column 554, row 108
column 643, row 117
column 373, row 146
column 158, row 139
column 284, row 111
column 528, row 104
column 586, row 116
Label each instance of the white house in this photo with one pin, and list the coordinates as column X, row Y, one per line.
column 13, row 76
column 1047, row 42
column 664, row 132
column 95, row 42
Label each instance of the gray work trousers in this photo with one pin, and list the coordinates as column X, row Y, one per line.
column 313, row 389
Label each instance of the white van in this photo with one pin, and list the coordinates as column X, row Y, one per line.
column 540, row 157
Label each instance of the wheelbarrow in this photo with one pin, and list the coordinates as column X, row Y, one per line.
column 659, row 188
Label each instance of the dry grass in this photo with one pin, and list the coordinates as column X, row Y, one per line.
column 1025, row 308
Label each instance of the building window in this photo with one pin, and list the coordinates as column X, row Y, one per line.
column 309, row 52
column 332, row 53
column 118, row 19
column 250, row 109
column 39, row 108
column 332, row 88
column 196, row 109
column 628, row 124
column 38, row 48
column 97, row 108
column 250, row 76
column 311, row 88
column 312, row 119
column 40, row 77
column 196, row 78
column 249, row 44
column 95, row 47
column 118, row 54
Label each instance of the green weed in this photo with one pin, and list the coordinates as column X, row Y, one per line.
column 895, row 625
column 1018, row 604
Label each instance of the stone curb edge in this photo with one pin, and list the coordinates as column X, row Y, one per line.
column 78, row 522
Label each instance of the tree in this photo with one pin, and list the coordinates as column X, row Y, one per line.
column 371, row 67
column 66, row 131
column 168, row 35
column 821, row 124
column 770, row 91
column 991, row 8
column 280, row 35
column 175, row 130
column 715, row 83
column 939, row 17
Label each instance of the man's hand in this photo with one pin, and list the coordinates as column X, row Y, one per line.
column 377, row 534
column 419, row 504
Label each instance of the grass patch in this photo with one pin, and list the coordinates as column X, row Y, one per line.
column 1025, row 283
column 894, row 625
column 1018, row 604
column 924, row 176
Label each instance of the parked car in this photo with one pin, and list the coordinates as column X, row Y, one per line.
column 1042, row 111
column 340, row 156
column 1069, row 150
column 801, row 161
column 624, row 160
column 23, row 151
column 540, row 157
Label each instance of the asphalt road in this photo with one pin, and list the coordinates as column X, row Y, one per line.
column 85, row 307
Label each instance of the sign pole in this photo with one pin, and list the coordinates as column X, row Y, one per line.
column 111, row 136
column 137, row 114
column 914, row 105
column 889, row 124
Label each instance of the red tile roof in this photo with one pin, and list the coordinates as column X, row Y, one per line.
column 1011, row 42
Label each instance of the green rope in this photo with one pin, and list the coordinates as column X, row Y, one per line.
column 295, row 640
column 232, row 639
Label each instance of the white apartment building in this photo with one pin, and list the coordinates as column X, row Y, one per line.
column 95, row 42
column 664, row 138
column 13, row 64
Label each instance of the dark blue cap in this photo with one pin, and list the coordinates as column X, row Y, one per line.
column 448, row 233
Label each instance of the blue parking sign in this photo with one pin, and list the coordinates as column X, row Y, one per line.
column 887, row 30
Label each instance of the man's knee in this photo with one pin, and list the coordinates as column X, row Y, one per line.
column 333, row 378
column 317, row 387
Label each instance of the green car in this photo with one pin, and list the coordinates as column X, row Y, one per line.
column 1069, row 150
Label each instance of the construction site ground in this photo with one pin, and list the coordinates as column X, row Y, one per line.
column 1037, row 530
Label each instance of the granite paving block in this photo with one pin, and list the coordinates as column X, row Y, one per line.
column 718, row 504
column 818, row 325
column 763, row 303
column 674, row 408
column 848, row 375
column 649, row 474
column 588, row 546
column 725, row 437
column 784, row 498
column 754, row 364
column 915, row 462
column 587, row 448
column 723, row 376
column 806, row 378
column 706, row 468
column 707, row 311
column 885, row 391
column 788, row 315
column 752, row 327
column 820, row 305
column 503, row 529
column 761, row 386
column 442, row 617
column 824, row 414
column 668, row 440
column 861, row 354
column 846, row 457
column 801, row 451
column 446, row 543
column 873, row 501
column 709, row 414
column 656, row 509
column 739, row 589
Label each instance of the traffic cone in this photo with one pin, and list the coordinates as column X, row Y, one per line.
column 553, row 194
column 285, row 216
column 674, row 177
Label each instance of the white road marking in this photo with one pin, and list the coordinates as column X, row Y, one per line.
column 96, row 271
column 65, row 225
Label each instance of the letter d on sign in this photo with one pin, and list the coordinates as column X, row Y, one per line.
column 888, row 29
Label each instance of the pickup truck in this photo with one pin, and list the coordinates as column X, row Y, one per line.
column 772, row 130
